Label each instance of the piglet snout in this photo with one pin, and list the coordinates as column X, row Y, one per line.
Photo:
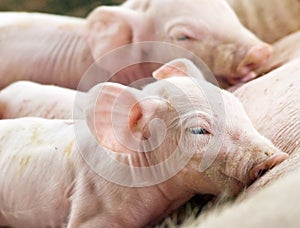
column 254, row 58
column 269, row 163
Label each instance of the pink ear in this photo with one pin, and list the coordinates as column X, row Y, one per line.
column 109, row 27
column 116, row 116
column 177, row 68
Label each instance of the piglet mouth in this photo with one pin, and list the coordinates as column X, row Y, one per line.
column 239, row 80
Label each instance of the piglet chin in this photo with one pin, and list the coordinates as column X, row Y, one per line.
column 248, row 77
column 238, row 81
column 236, row 187
column 232, row 185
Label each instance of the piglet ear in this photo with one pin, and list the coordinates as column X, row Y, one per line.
column 117, row 116
column 109, row 27
column 178, row 68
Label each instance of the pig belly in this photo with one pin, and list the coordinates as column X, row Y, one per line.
column 36, row 172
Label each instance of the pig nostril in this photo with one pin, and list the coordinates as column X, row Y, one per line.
column 268, row 164
column 260, row 173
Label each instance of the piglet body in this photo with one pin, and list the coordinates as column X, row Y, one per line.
column 25, row 98
column 272, row 102
column 270, row 20
column 43, row 48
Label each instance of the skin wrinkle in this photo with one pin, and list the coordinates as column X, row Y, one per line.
column 54, row 60
column 263, row 19
column 64, row 48
column 282, row 131
column 72, row 48
column 71, row 45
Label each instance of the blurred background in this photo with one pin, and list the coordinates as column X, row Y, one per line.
column 78, row 8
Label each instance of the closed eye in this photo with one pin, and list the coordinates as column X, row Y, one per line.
column 183, row 38
column 198, row 131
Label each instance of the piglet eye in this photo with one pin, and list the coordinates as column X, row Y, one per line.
column 183, row 38
column 198, row 131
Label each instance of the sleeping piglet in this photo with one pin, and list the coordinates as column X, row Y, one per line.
column 131, row 156
column 58, row 50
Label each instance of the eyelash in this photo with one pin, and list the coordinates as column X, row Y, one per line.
column 198, row 131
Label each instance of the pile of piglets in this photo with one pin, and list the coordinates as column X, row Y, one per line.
column 110, row 154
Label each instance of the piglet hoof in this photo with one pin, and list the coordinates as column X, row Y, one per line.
column 269, row 163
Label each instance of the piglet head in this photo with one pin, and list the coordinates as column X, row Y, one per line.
column 179, row 133
column 212, row 31
column 244, row 154
column 208, row 29
column 228, row 152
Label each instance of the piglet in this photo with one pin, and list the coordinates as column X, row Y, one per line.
column 52, row 49
column 131, row 156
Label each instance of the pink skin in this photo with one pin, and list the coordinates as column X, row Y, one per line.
column 270, row 20
column 42, row 48
column 25, row 98
column 61, row 52
column 274, row 107
column 70, row 193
